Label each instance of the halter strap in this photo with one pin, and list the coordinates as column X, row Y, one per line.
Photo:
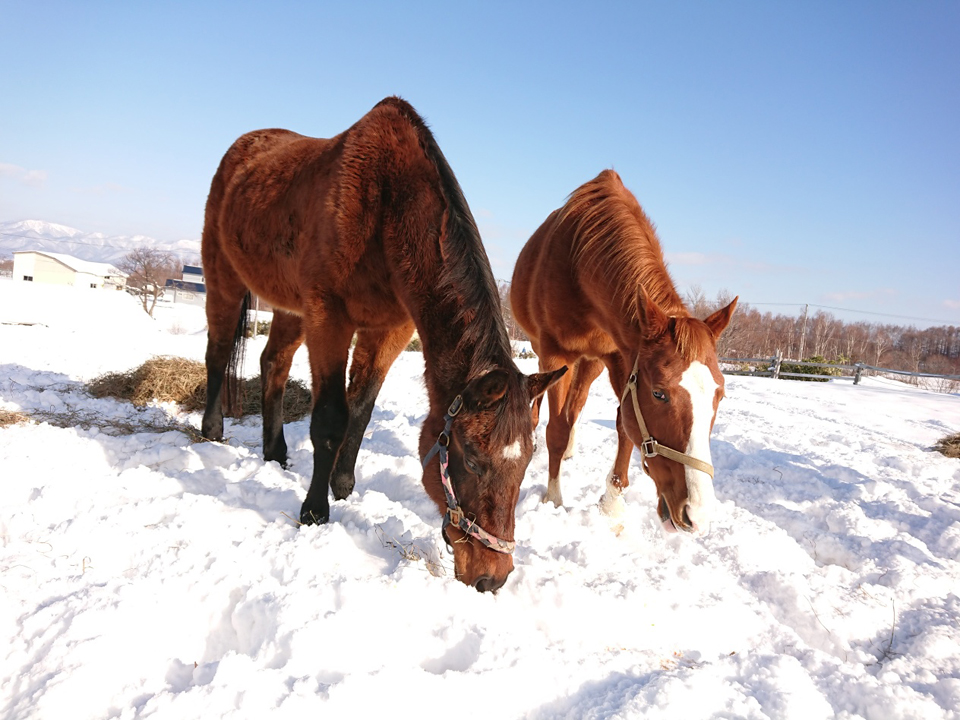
column 650, row 447
column 454, row 514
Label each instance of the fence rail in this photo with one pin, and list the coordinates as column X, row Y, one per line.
column 775, row 364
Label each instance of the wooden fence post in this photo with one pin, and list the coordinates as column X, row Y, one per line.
column 858, row 373
column 776, row 365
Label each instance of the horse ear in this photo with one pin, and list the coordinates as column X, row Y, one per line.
column 721, row 318
column 654, row 320
column 538, row 383
column 484, row 391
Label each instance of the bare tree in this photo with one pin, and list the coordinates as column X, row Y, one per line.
column 147, row 271
column 6, row 267
column 513, row 328
column 696, row 302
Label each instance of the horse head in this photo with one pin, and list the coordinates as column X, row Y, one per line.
column 483, row 450
column 669, row 407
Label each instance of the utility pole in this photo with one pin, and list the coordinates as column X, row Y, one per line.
column 803, row 331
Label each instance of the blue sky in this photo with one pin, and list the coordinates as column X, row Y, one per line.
column 789, row 152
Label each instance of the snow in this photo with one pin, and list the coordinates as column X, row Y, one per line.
column 94, row 247
column 147, row 576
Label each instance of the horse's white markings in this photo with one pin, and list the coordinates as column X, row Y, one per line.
column 698, row 381
column 571, row 444
column 611, row 502
column 512, row 452
column 553, row 492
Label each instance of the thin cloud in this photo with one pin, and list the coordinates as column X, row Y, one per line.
column 99, row 190
column 22, row 176
column 691, row 258
column 952, row 304
column 698, row 259
column 845, row 295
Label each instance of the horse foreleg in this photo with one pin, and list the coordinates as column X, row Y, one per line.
column 328, row 345
column 286, row 334
column 611, row 502
column 375, row 352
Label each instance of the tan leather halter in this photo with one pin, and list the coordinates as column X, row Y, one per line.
column 650, row 447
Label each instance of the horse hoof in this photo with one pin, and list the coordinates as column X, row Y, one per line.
column 280, row 458
column 314, row 517
column 612, row 505
column 342, row 486
column 547, row 498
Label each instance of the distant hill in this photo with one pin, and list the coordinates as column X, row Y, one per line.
column 95, row 247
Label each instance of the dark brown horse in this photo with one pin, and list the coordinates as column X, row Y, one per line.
column 591, row 289
column 368, row 233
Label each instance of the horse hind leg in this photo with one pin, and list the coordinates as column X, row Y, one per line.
column 585, row 371
column 286, row 335
column 565, row 408
column 375, row 352
column 226, row 306
column 558, row 431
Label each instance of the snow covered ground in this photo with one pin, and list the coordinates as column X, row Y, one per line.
column 146, row 576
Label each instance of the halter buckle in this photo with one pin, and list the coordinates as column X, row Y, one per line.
column 455, row 515
column 649, row 447
column 455, row 407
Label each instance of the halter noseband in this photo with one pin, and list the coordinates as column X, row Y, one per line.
column 650, row 447
column 454, row 514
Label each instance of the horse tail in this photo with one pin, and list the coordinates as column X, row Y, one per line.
column 233, row 383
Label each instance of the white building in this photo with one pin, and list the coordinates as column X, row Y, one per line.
column 59, row 269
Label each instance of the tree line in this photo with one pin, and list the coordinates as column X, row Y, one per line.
column 755, row 334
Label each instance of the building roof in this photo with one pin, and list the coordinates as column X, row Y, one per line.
column 185, row 285
column 76, row 264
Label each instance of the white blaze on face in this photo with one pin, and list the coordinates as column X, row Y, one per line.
column 698, row 381
column 512, row 452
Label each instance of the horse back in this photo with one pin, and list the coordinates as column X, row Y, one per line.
column 551, row 301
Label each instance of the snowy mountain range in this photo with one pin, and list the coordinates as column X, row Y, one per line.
column 94, row 247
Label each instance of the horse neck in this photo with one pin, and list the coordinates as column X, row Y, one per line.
column 454, row 352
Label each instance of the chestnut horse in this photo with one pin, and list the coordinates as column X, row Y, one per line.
column 368, row 234
column 591, row 289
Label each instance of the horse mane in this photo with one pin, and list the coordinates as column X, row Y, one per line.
column 614, row 238
column 465, row 277
column 467, row 281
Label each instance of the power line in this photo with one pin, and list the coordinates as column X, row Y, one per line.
column 850, row 310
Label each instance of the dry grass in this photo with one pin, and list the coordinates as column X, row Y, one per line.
column 114, row 427
column 410, row 552
column 12, row 417
column 173, row 379
column 949, row 446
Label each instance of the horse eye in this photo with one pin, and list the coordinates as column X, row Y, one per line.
column 660, row 395
column 471, row 466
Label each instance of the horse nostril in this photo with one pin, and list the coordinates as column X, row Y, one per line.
column 685, row 516
column 487, row 583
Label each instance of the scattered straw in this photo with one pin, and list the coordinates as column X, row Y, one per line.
column 949, row 446
column 409, row 551
column 173, row 379
column 12, row 417
column 115, row 427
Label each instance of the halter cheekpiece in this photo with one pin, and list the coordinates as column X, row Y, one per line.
column 454, row 514
column 650, row 447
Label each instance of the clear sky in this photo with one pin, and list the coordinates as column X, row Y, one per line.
column 789, row 152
